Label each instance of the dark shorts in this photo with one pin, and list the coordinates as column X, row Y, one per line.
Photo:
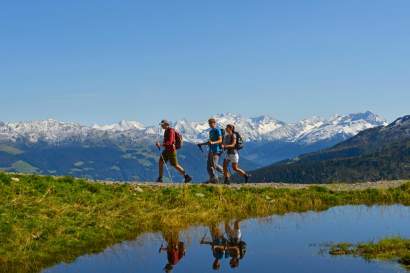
column 171, row 157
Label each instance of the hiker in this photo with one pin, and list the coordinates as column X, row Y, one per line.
column 236, row 248
column 218, row 245
column 170, row 152
column 230, row 145
column 215, row 151
column 175, row 250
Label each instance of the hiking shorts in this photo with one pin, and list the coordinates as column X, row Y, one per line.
column 232, row 158
column 171, row 157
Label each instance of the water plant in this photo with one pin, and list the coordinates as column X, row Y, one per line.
column 391, row 248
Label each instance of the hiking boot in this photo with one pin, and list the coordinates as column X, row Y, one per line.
column 213, row 181
column 187, row 179
column 246, row 178
column 226, row 181
column 159, row 180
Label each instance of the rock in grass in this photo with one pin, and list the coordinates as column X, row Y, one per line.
column 200, row 195
column 15, row 179
column 138, row 189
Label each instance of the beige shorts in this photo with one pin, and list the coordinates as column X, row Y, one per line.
column 232, row 158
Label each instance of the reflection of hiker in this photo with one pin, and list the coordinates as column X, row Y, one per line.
column 236, row 248
column 215, row 150
column 231, row 144
column 172, row 141
column 218, row 245
column 175, row 250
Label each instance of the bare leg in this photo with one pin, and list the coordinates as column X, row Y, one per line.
column 228, row 229
column 237, row 224
column 179, row 169
column 236, row 168
column 226, row 173
column 161, row 167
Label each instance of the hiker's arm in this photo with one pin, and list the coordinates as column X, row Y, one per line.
column 203, row 143
column 219, row 247
column 235, row 248
column 232, row 145
column 219, row 141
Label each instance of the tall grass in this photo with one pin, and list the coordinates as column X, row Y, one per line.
column 45, row 220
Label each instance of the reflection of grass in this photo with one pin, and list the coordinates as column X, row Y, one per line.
column 45, row 220
column 393, row 248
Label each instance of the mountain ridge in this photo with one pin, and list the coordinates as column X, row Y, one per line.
column 374, row 154
column 125, row 150
column 258, row 129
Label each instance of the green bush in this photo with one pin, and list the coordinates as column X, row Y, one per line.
column 5, row 179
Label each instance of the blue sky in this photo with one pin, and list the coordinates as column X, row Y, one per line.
column 100, row 61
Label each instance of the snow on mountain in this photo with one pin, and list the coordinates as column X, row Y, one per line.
column 266, row 128
column 262, row 128
column 46, row 130
column 401, row 121
column 338, row 126
column 122, row 126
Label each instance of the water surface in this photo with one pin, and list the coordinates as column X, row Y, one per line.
column 290, row 243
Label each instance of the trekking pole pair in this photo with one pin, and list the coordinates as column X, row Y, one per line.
column 202, row 150
column 162, row 156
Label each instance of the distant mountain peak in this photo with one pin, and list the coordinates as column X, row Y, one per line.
column 368, row 116
column 380, row 153
column 123, row 125
column 400, row 122
column 261, row 128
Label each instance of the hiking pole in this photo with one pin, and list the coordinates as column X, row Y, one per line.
column 162, row 157
column 203, row 238
column 200, row 147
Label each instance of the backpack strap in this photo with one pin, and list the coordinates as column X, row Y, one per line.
column 220, row 131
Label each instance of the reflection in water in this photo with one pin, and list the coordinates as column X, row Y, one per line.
column 297, row 238
column 174, row 248
column 229, row 245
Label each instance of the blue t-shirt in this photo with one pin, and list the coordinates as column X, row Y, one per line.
column 214, row 135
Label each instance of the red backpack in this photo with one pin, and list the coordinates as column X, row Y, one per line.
column 179, row 140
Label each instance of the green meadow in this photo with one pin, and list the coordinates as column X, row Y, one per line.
column 46, row 220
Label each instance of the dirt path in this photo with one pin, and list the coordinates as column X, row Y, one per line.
column 336, row 187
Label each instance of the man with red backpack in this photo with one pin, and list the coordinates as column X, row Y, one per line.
column 175, row 250
column 172, row 142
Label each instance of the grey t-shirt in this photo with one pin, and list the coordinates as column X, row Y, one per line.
column 228, row 140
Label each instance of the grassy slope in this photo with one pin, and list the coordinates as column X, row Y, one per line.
column 45, row 220
column 393, row 248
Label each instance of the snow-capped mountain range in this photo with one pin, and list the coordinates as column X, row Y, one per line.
column 259, row 129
